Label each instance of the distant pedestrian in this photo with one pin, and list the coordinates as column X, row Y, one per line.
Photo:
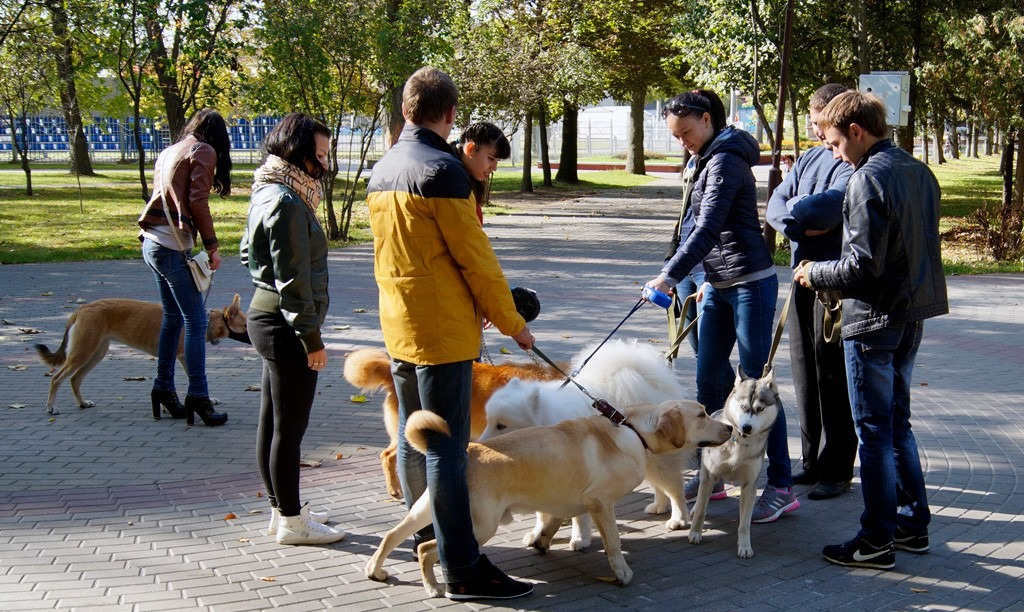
column 480, row 147
column 890, row 275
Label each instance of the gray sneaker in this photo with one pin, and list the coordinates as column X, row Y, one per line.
column 773, row 503
column 693, row 485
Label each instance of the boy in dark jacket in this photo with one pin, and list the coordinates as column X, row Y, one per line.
column 807, row 208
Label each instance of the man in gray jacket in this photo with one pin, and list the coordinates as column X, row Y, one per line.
column 890, row 275
column 807, row 208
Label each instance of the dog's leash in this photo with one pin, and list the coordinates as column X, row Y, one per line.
column 779, row 328
column 568, row 377
column 677, row 333
column 607, row 410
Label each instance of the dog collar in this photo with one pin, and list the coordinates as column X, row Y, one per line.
column 617, row 418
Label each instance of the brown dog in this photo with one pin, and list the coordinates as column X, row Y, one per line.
column 90, row 329
column 580, row 465
column 370, row 369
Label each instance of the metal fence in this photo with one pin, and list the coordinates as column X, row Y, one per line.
column 112, row 140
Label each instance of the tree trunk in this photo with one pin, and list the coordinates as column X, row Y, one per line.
column 940, row 139
column 396, row 121
column 137, row 132
column 924, row 149
column 975, row 138
column 545, row 157
column 1016, row 218
column 63, row 52
column 908, row 133
column 989, row 137
column 22, row 152
column 860, row 39
column 568, row 169
column 763, row 122
column 526, row 184
column 635, row 146
column 796, row 123
column 954, row 141
column 167, row 82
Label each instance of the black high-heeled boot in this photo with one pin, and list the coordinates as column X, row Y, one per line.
column 204, row 408
column 170, row 402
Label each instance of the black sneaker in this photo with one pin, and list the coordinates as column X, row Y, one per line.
column 905, row 540
column 488, row 583
column 861, row 553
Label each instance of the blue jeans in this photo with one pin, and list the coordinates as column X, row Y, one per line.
column 879, row 365
column 446, row 390
column 741, row 315
column 183, row 307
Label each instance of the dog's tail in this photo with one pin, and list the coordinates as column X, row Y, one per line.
column 419, row 423
column 55, row 360
column 369, row 369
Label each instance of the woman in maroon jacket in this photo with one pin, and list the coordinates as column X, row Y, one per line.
column 186, row 173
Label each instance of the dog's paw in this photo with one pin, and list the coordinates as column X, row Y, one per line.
column 656, row 508
column 378, row 574
column 215, row 401
column 85, row 404
column 675, row 524
column 433, row 590
column 624, row 574
column 52, row 410
column 745, row 552
column 578, row 544
column 695, row 537
column 537, row 542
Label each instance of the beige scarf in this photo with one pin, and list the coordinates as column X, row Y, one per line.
column 277, row 171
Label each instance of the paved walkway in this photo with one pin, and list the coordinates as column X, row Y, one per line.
column 106, row 509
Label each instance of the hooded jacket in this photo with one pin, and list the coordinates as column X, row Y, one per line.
column 727, row 231
column 436, row 271
column 890, row 272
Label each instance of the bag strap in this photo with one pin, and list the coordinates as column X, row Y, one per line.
column 163, row 198
column 833, row 319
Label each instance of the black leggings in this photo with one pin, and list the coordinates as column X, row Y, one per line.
column 289, row 386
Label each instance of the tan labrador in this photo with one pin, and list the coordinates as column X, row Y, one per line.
column 90, row 329
column 577, row 466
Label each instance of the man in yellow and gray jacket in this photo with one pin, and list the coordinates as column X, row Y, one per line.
column 438, row 279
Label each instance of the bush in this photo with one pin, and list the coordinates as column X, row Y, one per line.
column 647, row 155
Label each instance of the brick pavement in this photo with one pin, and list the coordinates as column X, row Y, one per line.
column 106, row 509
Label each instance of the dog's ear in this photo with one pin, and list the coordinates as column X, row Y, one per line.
column 769, row 378
column 740, row 375
column 235, row 303
column 672, row 427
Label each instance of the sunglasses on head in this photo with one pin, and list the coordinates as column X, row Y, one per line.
column 679, row 108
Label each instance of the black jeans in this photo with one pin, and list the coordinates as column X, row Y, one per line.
column 288, row 388
column 827, row 436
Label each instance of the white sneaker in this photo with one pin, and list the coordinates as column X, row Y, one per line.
column 275, row 518
column 302, row 530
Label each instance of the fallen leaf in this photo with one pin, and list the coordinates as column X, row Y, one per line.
column 359, row 310
column 46, row 293
column 243, row 540
column 16, row 406
column 8, row 322
column 130, row 523
column 134, row 378
column 339, row 456
column 924, row 384
column 611, row 579
column 504, row 351
column 256, row 388
column 918, row 590
column 18, row 368
column 81, row 301
column 229, row 516
column 310, row 463
column 247, row 358
column 566, row 336
column 255, row 512
column 30, row 330
column 268, row 579
column 259, row 493
column 342, row 327
column 359, row 399
column 53, row 419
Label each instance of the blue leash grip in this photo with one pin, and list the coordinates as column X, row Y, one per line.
column 656, row 297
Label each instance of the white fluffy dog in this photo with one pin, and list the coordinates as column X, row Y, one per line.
column 624, row 373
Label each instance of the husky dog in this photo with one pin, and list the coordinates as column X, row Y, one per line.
column 751, row 409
